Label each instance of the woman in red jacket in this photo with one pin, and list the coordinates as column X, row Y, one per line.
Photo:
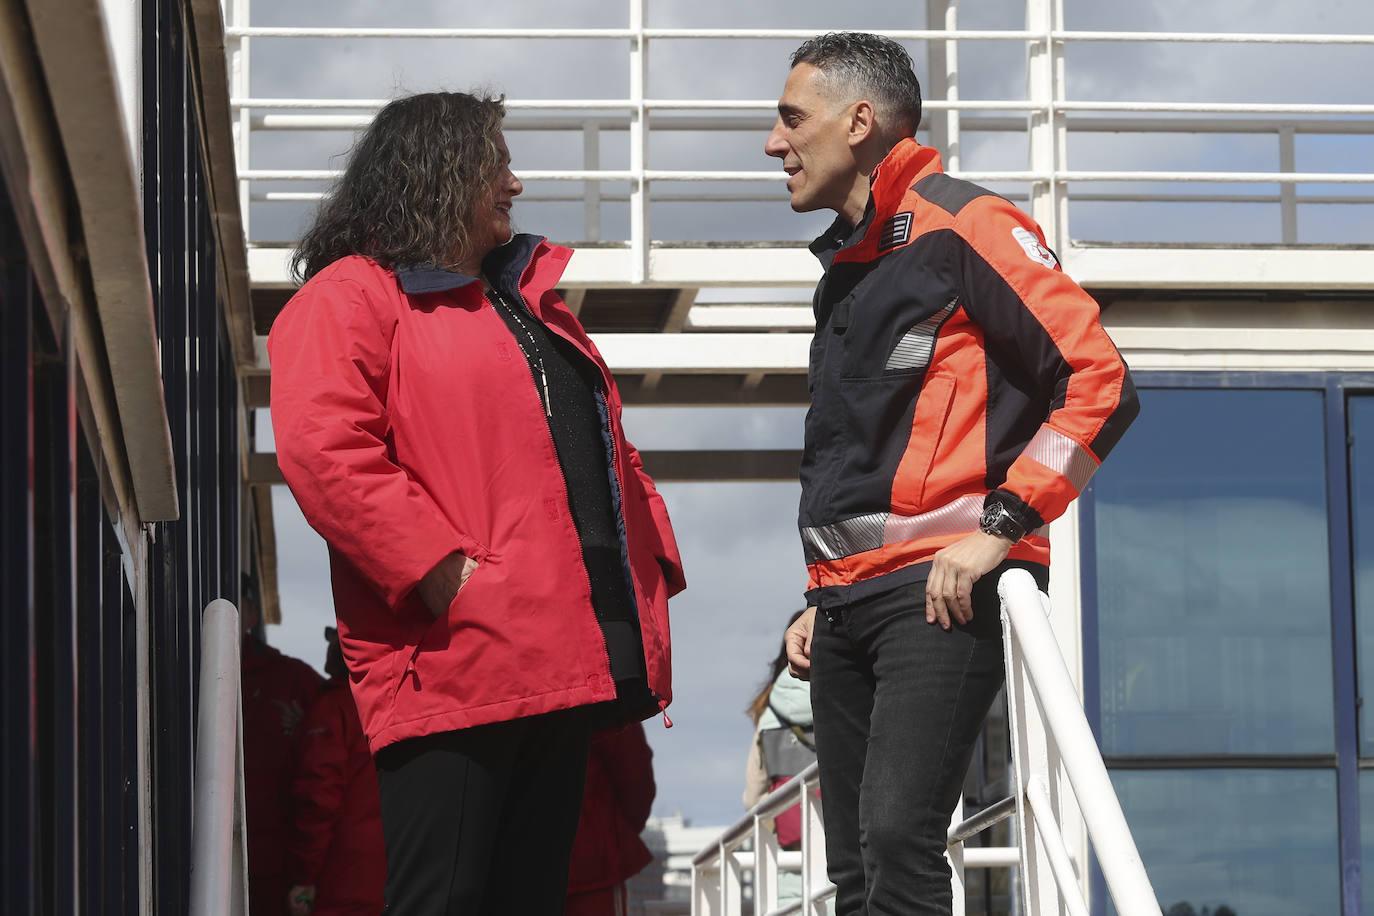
column 501, row 562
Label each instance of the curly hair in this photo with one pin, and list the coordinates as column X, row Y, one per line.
column 412, row 181
column 858, row 65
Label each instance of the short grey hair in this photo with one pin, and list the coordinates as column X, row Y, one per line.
column 861, row 65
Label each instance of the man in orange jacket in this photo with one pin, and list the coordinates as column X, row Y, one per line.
column 963, row 392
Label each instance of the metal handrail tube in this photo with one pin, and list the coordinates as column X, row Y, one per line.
column 772, row 804
column 993, row 814
column 621, row 197
column 1066, row 35
column 1061, row 866
column 778, row 177
column 1068, row 726
column 583, row 34
column 521, row 121
column 218, row 865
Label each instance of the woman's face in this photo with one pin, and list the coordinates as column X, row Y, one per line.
column 491, row 225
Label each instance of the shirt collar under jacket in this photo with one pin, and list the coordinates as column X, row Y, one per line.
column 503, row 266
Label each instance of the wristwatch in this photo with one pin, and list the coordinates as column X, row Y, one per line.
column 997, row 520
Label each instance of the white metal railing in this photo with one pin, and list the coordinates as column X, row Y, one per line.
column 219, row 861
column 1051, row 118
column 1050, row 737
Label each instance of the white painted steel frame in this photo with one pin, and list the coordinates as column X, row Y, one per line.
column 1050, row 735
column 1046, row 108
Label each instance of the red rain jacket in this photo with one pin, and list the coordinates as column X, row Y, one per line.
column 615, row 806
column 408, row 426
column 277, row 692
column 337, row 843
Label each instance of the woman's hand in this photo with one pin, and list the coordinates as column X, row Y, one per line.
column 441, row 584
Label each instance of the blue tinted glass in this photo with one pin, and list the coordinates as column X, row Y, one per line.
column 1212, row 577
column 1361, row 418
column 1261, row 842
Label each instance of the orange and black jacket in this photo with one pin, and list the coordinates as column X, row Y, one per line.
column 953, row 362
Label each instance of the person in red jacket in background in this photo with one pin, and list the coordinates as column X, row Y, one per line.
column 337, row 858
column 277, row 690
column 615, row 806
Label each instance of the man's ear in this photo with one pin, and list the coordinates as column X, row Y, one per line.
column 862, row 123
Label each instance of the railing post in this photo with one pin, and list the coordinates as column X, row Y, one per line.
column 1030, row 760
column 814, row 863
column 954, row 852
column 219, row 863
column 1288, row 192
column 944, row 80
column 765, row 866
column 1042, row 683
column 1049, row 203
column 639, row 147
column 591, row 161
column 240, row 87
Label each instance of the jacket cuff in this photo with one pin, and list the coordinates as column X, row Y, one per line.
column 1016, row 507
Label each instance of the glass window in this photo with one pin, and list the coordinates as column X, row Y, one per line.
column 1213, row 589
column 1361, row 419
column 1259, row 842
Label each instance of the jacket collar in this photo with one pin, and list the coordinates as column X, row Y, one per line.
column 904, row 165
column 503, row 266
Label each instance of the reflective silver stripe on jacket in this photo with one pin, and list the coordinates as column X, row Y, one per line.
column 1062, row 455
column 878, row 529
column 916, row 347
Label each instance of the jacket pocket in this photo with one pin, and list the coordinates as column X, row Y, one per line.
column 435, row 634
column 927, row 430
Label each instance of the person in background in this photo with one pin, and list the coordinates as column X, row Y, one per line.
column 615, row 806
column 336, row 861
column 501, row 563
column 963, row 392
column 277, row 690
column 784, row 741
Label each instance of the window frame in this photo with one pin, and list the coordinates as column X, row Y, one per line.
column 1336, row 388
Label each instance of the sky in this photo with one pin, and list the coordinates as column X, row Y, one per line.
column 739, row 540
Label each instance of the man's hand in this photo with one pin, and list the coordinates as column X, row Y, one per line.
column 949, row 589
column 798, row 643
column 301, row 899
column 440, row 585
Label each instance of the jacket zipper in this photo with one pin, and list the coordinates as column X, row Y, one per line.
column 581, row 548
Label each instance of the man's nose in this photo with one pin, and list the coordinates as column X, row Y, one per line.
column 775, row 145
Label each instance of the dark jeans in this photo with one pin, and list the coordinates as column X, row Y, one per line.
column 481, row 820
column 898, row 704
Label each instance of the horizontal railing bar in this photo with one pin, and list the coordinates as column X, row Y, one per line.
column 1267, row 38
column 778, row 176
column 284, row 104
column 1214, row 107
column 769, row 105
column 1066, row 35
column 992, row 814
column 522, row 121
column 624, row 33
column 666, row 198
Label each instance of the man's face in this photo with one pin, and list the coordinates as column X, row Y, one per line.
column 811, row 137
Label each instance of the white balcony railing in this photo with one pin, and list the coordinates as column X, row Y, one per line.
column 1051, row 120
column 1050, row 740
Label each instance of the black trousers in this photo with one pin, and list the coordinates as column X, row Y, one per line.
column 481, row 820
column 898, row 704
